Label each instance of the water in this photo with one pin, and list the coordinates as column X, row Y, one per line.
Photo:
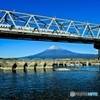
column 49, row 85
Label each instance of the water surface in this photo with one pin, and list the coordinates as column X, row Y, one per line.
column 49, row 84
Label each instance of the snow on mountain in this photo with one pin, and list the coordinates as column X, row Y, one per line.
column 54, row 47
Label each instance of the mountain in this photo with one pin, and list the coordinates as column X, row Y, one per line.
column 56, row 52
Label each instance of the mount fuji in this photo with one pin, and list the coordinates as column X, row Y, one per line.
column 55, row 52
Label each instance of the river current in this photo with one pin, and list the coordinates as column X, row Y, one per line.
column 50, row 85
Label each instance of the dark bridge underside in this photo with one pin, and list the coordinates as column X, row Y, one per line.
column 48, row 37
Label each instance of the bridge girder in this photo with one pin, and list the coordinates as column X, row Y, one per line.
column 18, row 25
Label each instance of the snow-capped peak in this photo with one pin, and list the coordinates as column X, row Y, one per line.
column 54, row 47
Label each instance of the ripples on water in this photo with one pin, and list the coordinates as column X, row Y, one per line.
column 49, row 85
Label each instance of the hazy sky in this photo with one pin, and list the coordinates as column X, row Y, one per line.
column 82, row 10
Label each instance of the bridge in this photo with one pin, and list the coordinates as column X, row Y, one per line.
column 17, row 25
column 36, row 64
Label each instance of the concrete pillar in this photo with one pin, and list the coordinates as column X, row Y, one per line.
column 87, row 63
column 97, row 46
column 98, row 54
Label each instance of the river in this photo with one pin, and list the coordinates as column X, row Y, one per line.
column 49, row 84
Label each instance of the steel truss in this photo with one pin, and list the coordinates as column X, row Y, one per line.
column 11, row 21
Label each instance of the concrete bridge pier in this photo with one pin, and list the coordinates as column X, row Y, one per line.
column 98, row 54
column 14, row 67
column 25, row 67
column 87, row 63
column 35, row 67
column 97, row 46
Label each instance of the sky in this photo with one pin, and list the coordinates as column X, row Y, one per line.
column 80, row 10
